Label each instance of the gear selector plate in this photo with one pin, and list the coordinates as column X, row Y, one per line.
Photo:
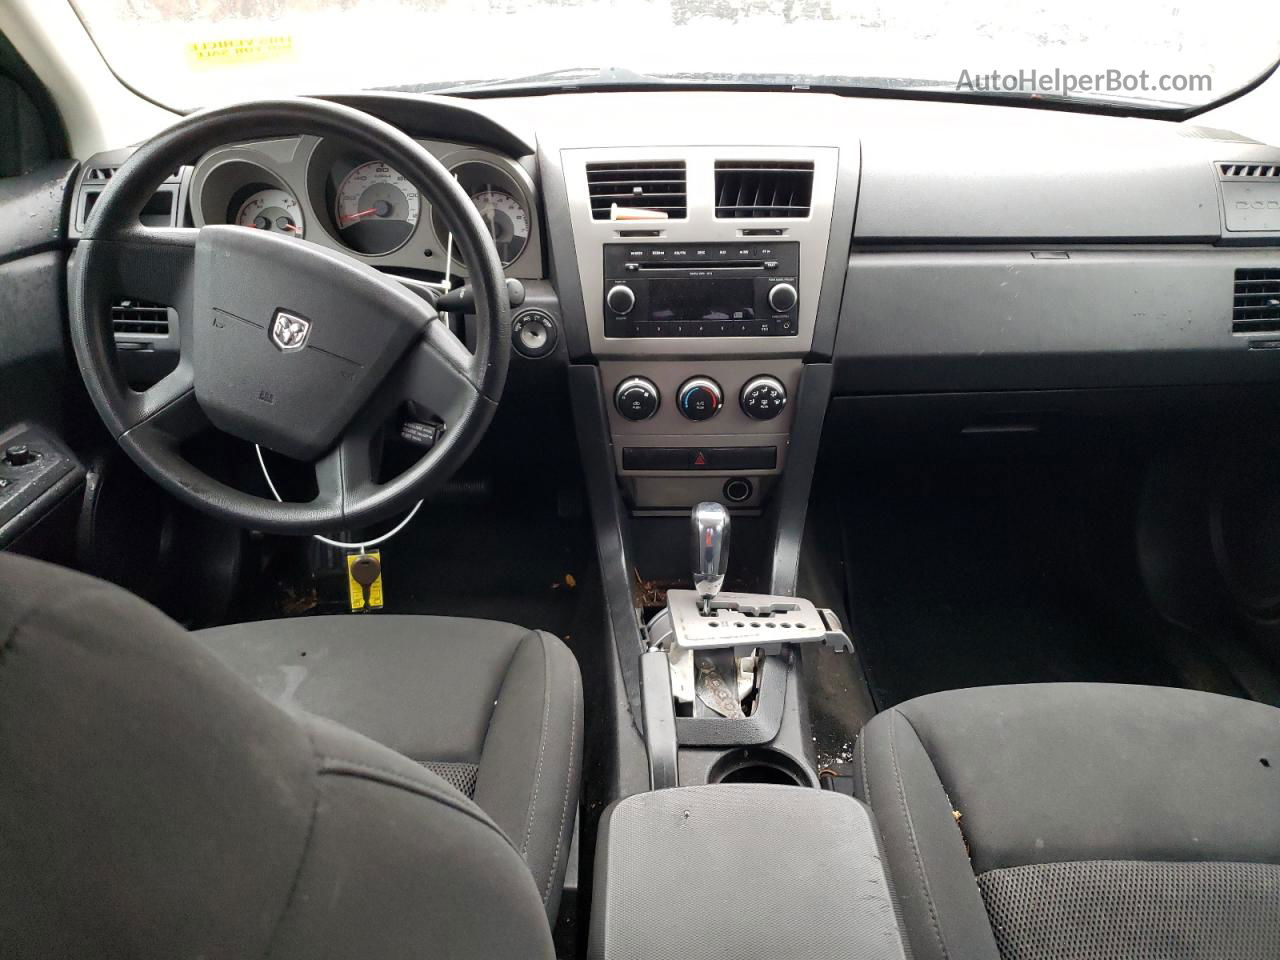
column 751, row 621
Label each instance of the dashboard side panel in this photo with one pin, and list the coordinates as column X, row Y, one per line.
column 1004, row 320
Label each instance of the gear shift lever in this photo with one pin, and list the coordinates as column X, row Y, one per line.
column 710, row 551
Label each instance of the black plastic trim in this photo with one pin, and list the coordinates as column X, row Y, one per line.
column 790, row 503
column 761, row 727
column 562, row 256
column 35, row 209
column 608, row 519
column 659, row 720
column 437, row 118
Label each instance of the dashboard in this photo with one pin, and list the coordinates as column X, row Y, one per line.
column 702, row 253
column 325, row 191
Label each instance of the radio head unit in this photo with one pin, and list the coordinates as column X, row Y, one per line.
column 701, row 290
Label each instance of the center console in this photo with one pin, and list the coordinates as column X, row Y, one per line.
column 709, row 280
column 701, row 270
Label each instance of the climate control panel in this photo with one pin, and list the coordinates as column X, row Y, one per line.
column 687, row 430
column 700, row 398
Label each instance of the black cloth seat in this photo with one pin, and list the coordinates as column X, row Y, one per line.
column 492, row 708
column 154, row 804
column 1083, row 821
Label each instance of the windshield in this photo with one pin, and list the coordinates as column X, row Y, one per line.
column 188, row 53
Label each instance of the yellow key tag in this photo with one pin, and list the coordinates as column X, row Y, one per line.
column 364, row 580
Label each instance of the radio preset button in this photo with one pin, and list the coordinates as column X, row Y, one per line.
column 621, row 299
column 637, row 399
column 700, row 398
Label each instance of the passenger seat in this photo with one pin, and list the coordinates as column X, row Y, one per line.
column 1082, row 821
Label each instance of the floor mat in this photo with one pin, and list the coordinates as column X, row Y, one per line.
column 514, row 558
column 972, row 575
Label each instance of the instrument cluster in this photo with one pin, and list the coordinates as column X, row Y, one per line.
column 325, row 191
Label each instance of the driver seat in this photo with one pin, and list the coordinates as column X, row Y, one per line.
column 223, row 794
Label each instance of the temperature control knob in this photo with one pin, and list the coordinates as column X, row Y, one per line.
column 637, row 398
column 782, row 297
column 763, row 398
column 700, row 398
column 620, row 298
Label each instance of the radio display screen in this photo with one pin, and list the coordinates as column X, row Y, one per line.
column 680, row 300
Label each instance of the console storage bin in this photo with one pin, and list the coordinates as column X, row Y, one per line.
column 741, row 871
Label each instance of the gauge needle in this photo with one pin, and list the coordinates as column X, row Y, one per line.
column 356, row 216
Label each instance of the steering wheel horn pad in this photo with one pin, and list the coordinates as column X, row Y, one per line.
column 291, row 339
column 301, row 349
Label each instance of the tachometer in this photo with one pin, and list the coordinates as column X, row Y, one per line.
column 504, row 216
column 272, row 209
column 376, row 208
column 507, row 220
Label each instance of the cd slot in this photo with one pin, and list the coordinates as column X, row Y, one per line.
column 701, row 265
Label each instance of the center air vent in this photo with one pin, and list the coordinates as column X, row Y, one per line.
column 763, row 188
column 657, row 185
column 1249, row 170
column 1256, row 308
column 129, row 317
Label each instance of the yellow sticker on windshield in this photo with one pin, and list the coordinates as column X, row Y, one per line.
column 234, row 50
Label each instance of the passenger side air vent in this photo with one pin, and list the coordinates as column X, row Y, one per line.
column 1257, row 301
column 131, row 317
column 657, row 185
column 1249, row 170
column 763, row 188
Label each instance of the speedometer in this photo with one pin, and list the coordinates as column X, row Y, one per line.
column 376, row 208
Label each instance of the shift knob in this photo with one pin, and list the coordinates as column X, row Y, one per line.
column 710, row 550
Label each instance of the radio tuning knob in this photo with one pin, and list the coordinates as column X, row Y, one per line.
column 636, row 398
column 620, row 298
column 763, row 398
column 782, row 297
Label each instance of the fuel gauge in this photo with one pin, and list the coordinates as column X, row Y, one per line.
column 273, row 210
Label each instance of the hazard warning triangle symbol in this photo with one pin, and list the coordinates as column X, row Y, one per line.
column 700, row 460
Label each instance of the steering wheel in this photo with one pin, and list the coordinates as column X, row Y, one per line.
column 284, row 343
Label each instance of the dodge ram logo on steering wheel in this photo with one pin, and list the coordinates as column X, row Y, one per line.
column 289, row 332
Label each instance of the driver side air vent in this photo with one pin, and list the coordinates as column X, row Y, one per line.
column 657, row 185
column 1256, row 308
column 763, row 188
column 139, row 316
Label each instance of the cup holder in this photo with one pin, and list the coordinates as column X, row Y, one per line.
column 760, row 765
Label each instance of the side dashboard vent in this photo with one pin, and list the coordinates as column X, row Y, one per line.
column 1256, row 307
column 103, row 174
column 1248, row 170
column 763, row 188
column 638, row 185
column 131, row 317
